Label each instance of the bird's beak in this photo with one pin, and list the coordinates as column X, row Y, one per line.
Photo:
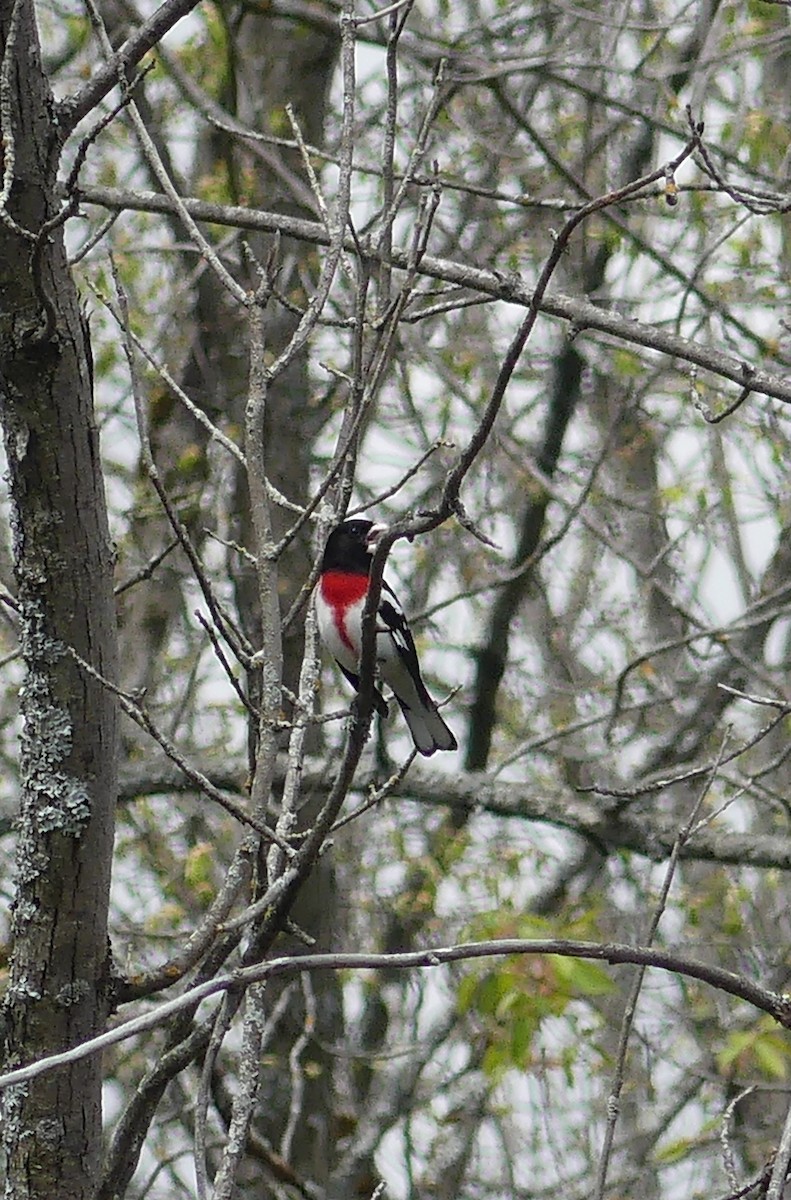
column 374, row 533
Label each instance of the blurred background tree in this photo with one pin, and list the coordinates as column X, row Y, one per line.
column 606, row 608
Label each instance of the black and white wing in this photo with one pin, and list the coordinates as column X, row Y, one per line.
column 400, row 669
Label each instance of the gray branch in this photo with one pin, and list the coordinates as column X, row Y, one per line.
column 582, row 314
column 741, row 987
column 612, row 826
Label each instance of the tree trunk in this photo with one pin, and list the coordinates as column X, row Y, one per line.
column 58, row 993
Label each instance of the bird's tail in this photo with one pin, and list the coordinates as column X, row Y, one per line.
column 429, row 731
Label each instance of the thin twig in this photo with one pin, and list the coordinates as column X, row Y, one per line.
column 377, row 795
column 226, row 666
column 146, row 983
column 388, row 151
column 74, row 108
column 154, row 161
column 301, row 1042
column 380, row 497
column 148, row 570
column 340, row 215
column 220, row 1027
column 630, row 1008
column 141, row 717
column 234, row 636
column 199, row 415
column 727, row 1150
column 781, row 1163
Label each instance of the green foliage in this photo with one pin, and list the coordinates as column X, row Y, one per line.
column 762, row 1050
column 511, row 998
column 199, row 871
column 677, row 1150
column 206, row 55
column 626, row 363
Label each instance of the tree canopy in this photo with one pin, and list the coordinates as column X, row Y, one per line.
column 512, row 279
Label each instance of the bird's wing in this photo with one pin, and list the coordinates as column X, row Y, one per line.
column 391, row 616
column 400, row 667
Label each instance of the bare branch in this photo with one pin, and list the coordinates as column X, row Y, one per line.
column 73, row 109
column 781, row 1163
column 627, row 1021
column 650, row 832
column 741, row 987
column 582, row 314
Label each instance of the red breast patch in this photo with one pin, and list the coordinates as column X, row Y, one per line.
column 342, row 588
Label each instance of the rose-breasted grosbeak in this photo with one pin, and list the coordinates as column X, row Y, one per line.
column 340, row 598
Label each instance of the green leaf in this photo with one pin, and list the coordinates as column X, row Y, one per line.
column 675, row 1151
column 763, row 1049
column 772, row 1056
column 582, row 977
column 522, row 1034
column 735, row 1045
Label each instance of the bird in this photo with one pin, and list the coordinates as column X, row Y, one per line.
column 340, row 599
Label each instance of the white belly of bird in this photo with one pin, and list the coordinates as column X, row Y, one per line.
column 347, row 652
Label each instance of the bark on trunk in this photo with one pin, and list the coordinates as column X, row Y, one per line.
column 58, row 993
